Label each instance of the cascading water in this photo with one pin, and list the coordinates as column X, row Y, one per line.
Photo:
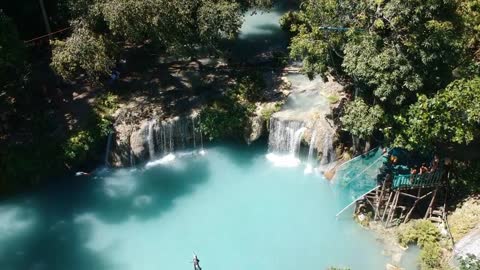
column 150, row 139
column 310, row 165
column 296, row 140
column 107, row 148
column 193, row 133
column 284, row 142
column 285, row 136
column 132, row 159
column 328, row 153
column 161, row 138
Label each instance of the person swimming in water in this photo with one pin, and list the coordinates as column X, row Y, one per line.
column 196, row 263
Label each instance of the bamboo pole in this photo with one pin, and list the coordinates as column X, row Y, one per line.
column 392, row 209
column 386, row 205
column 379, row 201
column 429, row 209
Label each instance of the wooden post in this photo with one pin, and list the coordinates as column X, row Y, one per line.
column 392, row 208
column 411, row 210
column 429, row 209
column 379, row 201
column 386, row 205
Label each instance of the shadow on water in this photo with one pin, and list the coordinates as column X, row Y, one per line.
column 46, row 234
column 150, row 195
column 243, row 155
column 261, row 33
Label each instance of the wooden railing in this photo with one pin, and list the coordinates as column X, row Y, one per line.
column 407, row 181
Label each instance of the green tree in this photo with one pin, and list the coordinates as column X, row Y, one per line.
column 469, row 11
column 391, row 47
column 83, row 51
column 360, row 119
column 12, row 55
column 181, row 27
column 450, row 117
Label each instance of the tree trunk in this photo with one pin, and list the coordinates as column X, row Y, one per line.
column 367, row 146
column 354, row 145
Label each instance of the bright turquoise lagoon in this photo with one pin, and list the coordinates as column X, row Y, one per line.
column 231, row 206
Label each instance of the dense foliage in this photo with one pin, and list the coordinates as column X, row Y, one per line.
column 12, row 55
column 181, row 27
column 469, row 262
column 413, row 65
column 228, row 117
column 452, row 116
column 426, row 235
column 362, row 120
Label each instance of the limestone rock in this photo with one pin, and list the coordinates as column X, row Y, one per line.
column 257, row 123
column 137, row 143
column 392, row 267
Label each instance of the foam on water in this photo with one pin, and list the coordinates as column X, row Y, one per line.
column 168, row 159
column 287, row 160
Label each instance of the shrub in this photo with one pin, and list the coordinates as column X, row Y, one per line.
column 269, row 111
column 222, row 120
column 78, row 146
column 249, row 88
column 426, row 235
column 104, row 108
column 431, row 256
column 469, row 262
column 420, row 232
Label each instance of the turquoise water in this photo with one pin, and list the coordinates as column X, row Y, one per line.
column 261, row 33
column 230, row 206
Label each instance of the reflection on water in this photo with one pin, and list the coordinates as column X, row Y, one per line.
column 261, row 33
column 231, row 206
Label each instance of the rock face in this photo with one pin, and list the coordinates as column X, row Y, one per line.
column 149, row 127
column 305, row 114
column 258, row 122
column 153, row 138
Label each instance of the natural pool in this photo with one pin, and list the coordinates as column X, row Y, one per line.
column 231, row 206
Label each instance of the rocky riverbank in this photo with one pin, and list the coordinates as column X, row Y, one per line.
column 166, row 116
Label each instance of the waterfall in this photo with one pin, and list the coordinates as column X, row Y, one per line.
column 107, row 148
column 193, row 132
column 311, row 146
column 328, row 153
column 296, row 140
column 150, row 139
column 163, row 137
column 284, row 142
column 285, row 136
column 132, row 158
column 202, row 152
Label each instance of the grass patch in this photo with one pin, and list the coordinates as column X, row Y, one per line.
column 464, row 218
column 333, row 99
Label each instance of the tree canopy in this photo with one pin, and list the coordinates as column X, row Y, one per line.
column 181, row 27
column 400, row 56
column 452, row 116
column 12, row 54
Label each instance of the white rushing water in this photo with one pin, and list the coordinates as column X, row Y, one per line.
column 150, row 140
column 107, row 148
column 310, row 164
column 164, row 137
column 284, row 142
column 328, row 152
column 285, row 136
